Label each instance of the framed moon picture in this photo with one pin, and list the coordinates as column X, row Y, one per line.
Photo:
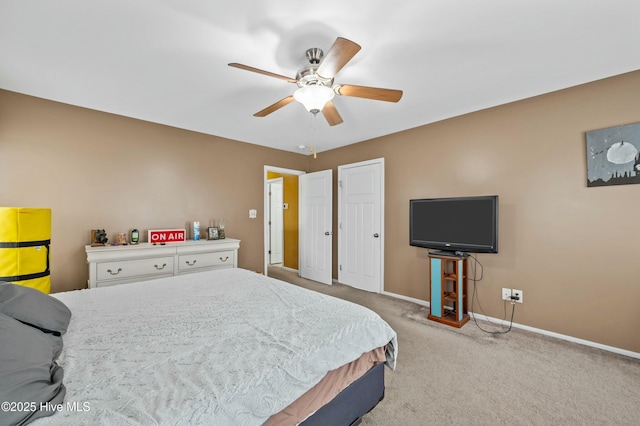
column 613, row 156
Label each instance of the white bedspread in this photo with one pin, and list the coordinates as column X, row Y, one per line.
column 227, row 347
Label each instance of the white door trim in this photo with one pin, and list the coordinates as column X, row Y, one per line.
column 382, row 233
column 265, row 226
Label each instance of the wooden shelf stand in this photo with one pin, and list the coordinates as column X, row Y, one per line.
column 448, row 290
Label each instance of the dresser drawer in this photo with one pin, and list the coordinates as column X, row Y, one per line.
column 220, row 259
column 133, row 268
column 109, row 283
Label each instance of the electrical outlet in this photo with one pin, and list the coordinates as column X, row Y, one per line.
column 517, row 293
column 506, row 294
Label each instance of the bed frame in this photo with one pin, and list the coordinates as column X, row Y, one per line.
column 350, row 405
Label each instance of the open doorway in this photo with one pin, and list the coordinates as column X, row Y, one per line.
column 289, row 210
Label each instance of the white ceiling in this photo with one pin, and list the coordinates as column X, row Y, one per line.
column 165, row 61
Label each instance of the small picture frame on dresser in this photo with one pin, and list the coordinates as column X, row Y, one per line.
column 212, row 233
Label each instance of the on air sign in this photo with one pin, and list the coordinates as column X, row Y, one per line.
column 160, row 236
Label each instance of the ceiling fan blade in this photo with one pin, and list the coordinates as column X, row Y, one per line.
column 274, row 107
column 338, row 55
column 331, row 114
column 388, row 95
column 259, row 71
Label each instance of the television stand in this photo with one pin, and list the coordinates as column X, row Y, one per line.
column 448, row 289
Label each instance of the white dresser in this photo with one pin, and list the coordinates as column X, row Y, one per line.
column 111, row 265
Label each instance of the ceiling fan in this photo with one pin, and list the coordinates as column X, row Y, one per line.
column 315, row 82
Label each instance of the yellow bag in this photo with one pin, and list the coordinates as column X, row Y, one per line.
column 25, row 236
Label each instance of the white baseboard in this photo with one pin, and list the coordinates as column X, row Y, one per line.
column 408, row 299
column 532, row 329
column 560, row 336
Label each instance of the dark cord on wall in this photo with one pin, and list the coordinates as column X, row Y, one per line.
column 475, row 279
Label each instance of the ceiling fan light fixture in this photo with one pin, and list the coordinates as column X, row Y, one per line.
column 314, row 97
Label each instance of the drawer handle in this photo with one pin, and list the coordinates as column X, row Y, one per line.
column 160, row 268
column 225, row 259
column 192, row 263
column 114, row 273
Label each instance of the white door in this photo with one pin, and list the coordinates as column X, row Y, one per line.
column 315, row 228
column 360, row 229
column 276, row 221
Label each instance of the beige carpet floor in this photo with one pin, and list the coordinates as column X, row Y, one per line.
column 449, row 376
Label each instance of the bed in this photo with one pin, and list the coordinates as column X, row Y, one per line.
column 219, row 347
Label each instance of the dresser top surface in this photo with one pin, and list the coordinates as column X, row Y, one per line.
column 139, row 246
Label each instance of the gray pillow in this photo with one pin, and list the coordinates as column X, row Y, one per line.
column 35, row 308
column 28, row 372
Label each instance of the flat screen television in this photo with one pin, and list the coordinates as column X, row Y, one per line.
column 457, row 225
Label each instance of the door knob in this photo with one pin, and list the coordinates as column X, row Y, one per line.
column 328, row 233
column 376, row 235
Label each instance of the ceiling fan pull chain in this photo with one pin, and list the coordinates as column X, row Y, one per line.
column 314, row 136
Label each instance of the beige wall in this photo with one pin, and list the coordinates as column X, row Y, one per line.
column 573, row 250
column 97, row 170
